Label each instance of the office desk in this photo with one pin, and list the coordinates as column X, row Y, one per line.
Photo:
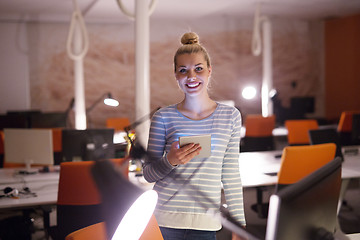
column 45, row 194
column 9, row 176
column 44, row 185
column 354, row 236
column 255, row 167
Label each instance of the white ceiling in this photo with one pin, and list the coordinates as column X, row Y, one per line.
column 109, row 11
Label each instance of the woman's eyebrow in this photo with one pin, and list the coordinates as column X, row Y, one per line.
column 180, row 66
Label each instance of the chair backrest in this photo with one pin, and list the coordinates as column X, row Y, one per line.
column 258, row 126
column 152, row 231
column 76, row 185
column 345, row 121
column 298, row 130
column 345, row 126
column 93, row 232
column 78, row 203
column 98, row 232
column 299, row 161
column 117, row 123
column 258, row 133
column 57, row 139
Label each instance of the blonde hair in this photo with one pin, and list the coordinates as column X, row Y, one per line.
column 191, row 44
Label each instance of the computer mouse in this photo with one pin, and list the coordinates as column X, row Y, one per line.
column 9, row 191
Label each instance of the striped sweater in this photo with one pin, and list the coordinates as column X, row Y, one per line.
column 186, row 192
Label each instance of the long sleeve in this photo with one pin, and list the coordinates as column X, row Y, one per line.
column 157, row 166
column 231, row 175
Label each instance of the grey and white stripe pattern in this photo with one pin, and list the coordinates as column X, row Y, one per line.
column 195, row 187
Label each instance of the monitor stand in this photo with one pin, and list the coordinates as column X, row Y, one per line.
column 28, row 169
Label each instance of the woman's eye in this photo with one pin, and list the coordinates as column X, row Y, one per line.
column 182, row 70
column 199, row 69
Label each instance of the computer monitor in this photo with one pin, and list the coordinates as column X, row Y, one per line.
column 13, row 121
column 49, row 120
column 308, row 208
column 29, row 146
column 326, row 135
column 303, row 104
column 88, row 144
column 355, row 132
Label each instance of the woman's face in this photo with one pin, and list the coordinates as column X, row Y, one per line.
column 192, row 73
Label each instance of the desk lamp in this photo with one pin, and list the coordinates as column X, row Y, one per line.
column 127, row 209
column 108, row 100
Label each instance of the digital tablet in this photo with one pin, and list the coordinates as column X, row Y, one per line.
column 203, row 140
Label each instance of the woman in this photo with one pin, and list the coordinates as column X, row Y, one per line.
column 188, row 186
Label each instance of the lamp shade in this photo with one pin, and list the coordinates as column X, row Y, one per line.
column 107, row 99
column 110, row 101
column 117, row 198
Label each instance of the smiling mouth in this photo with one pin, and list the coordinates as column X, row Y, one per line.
column 193, row 85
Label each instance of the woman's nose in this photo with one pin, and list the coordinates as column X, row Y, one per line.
column 191, row 75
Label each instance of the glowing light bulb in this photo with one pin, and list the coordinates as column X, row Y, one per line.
column 249, row 93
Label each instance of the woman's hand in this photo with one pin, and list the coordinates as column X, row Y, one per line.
column 177, row 155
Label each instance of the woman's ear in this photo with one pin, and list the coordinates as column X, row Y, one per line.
column 210, row 71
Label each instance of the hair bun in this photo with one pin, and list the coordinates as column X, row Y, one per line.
column 189, row 38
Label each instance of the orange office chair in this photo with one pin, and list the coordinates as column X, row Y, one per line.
column 299, row 161
column 98, row 232
column 345, row 127
column 296, row 163
column 117, row 123
column 298, row 131
column 95, row 231
column 258, row 134
column 57, row 144
column 78, row 203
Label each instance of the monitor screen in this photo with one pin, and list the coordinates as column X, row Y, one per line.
column 308, row 208
column 88, row 144
column 13, row 121
column 355, row 132
column 303, row 104
column 28, row 146
column 49, row 120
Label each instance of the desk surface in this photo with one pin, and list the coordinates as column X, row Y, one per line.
column 354, row 236
column 9, row 176
column 254, row 167
column 45, row 194
column 44, row 185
